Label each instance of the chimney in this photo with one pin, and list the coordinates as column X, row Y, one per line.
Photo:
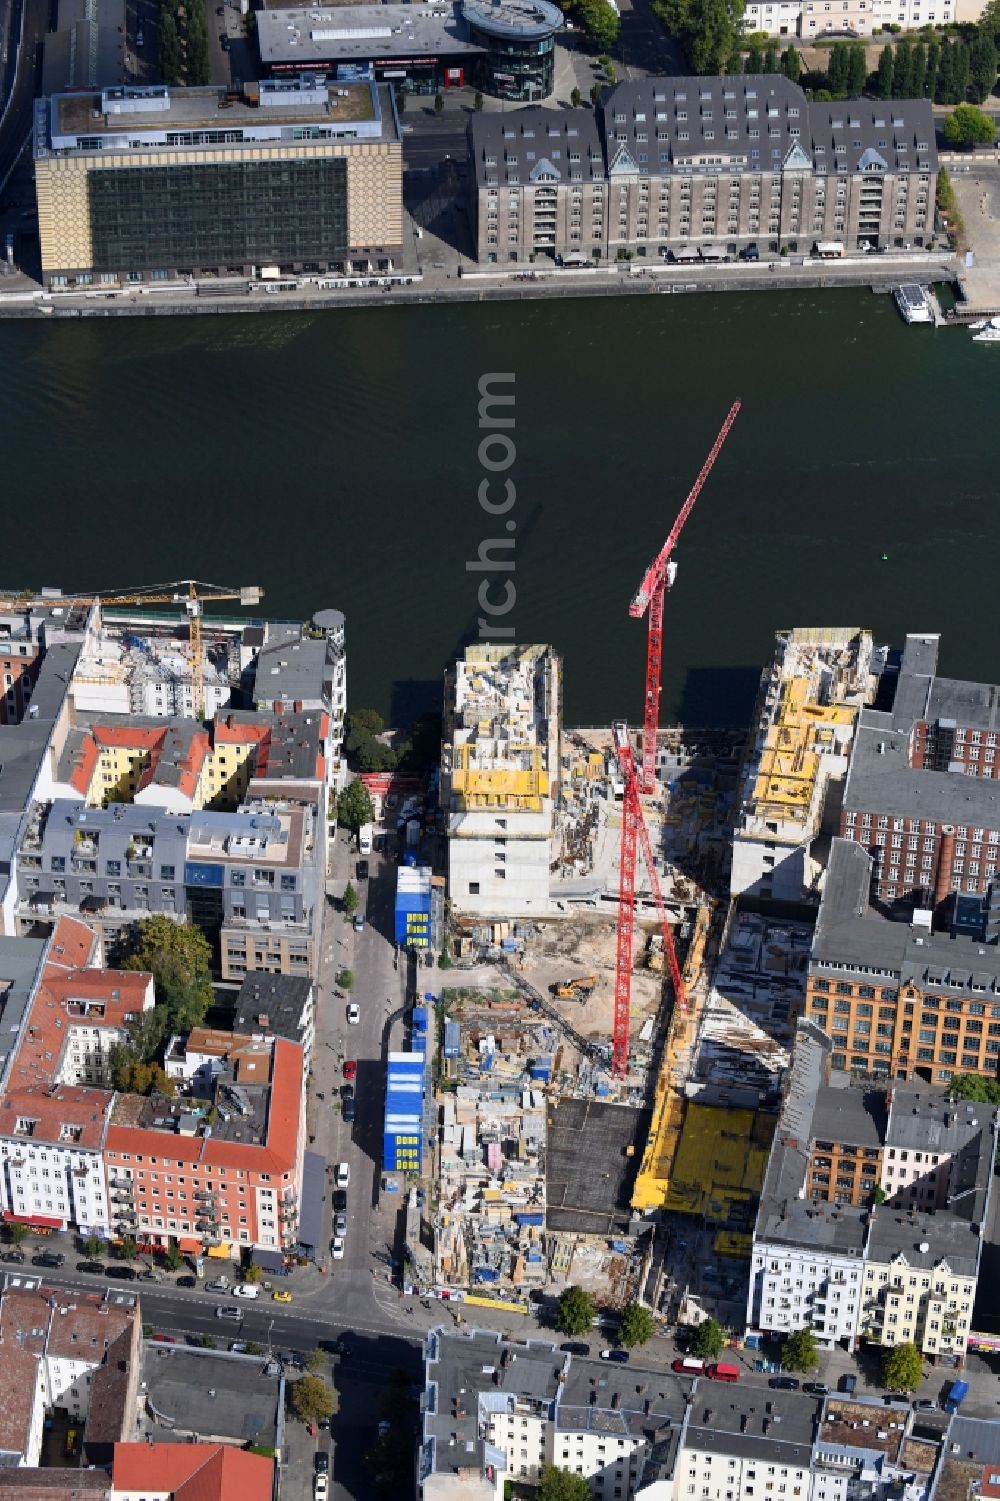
column 945, row 868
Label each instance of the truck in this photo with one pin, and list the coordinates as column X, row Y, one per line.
column 957, row 1392
column 723, row 1371
column 365, row 834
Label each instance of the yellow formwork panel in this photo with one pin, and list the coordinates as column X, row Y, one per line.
column 732, row 1243
column 720, row 1161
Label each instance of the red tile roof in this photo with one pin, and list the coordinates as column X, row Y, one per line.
column 192, row 1472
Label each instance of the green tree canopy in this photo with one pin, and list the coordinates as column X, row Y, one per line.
column 574, row 1311
column 771, row 58
column 707, row 1341
column 126, row 1248
column 755, row 59
column 838, row 68
column 172, row 1256
column 902, row 1368
column 561, row 1485
column 975, row 1086
column 18, row 1232
column 982, row 65
column 316, row 1361
column 354, row 806
column 637, row 1325
column 857, row 70
column 799, row 1351
column 575, row 97
column 886, row 68
column 179, row 957
column 350, row 901
column 312, row 1399
column 595, row 94
column 598, row 20
column 968, row 126
column 708, row 30
column 92, row 1245
column 791, row 64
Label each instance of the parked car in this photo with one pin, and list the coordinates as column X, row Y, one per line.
column 224, row 42
column 359, row 922
column 848, row 1384
column 575, row 1347
column 340, row 1224
column 343, row 1177
column 15, row 1255
column 187, row 1281
column 619, row 1356
column 321, row 1462
column 48, row 1258
column 281, row 1296
column 229, row 1311
column 165, row 1339
column 362, row 870
column 151, row 1275
column 925, row 1405
column 121, row 1273
column 347, row 1091
column 783, row 1384
column 348, row 1109
column 246, row 1290
column 93, row 1268
column 238, row 1347
column 350, row 1069
column 337, row 1248
column 321, row 1487
column 816, row 1388
column 140, row 40
column 220, row 1285
column 749, row 253
column 339, row 1200
column 353, row 1014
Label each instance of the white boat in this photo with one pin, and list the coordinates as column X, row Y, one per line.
column 914, row 303
column 989, row 333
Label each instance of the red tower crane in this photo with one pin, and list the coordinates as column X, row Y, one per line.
column 634, row 832
column 658, row 578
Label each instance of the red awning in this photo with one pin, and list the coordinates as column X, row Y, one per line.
column 188, row 1246
column 44, row 1221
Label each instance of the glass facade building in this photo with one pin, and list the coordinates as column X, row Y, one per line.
column 518, row 39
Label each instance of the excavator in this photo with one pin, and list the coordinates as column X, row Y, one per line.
column 574, row 990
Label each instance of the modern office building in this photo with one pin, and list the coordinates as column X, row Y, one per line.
column 499, row 778
column 421, row 48
column 703, row 167
column 518, row 39
column 148, row 184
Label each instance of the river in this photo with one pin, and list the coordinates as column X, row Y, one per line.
column 334, row 459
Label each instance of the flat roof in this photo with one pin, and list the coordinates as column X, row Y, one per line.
column 297, row 36
column 924, row 1240
column 771, row 1425
column 205, row 108
column 523, row 19
column 211, row 1393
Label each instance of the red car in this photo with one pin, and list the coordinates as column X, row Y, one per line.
column 350, row 1069
column 164, row 1339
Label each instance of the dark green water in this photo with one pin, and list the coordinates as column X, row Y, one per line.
column 332, row 459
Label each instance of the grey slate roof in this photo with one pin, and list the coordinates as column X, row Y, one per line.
column 976, row 1438
column 770, row 1425
column 20, row 962
column 881, row 780
column 272, row 1004
column 844, row 1112
column 946, row 1237
column 532, row 145
column 858, row 135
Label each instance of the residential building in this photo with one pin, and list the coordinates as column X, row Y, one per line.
column 215, row 1396
column 234, row 1183
column 150, row 184
column 304, row 670
column 198, row 1061
column 704, row 167
column 189, row 1472
column 899, row 999
column 806, row 20
column 804, row 724
column 919, row 795
column 877, row 1454
column 270, row 1005
column 872, row 1211
column 499, row 778
column 970, row 1462
column 254, row 877
column 73, row 1350
column 729, row 1446
column 22, row 645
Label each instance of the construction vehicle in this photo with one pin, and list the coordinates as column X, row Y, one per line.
column 187, row 592
column 574, row 990
column 658, row 578
column 634, row 832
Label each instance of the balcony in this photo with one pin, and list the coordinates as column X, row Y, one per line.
column 122, row 1183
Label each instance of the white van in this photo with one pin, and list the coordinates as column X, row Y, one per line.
column 343, row 1174
column 245, row 1290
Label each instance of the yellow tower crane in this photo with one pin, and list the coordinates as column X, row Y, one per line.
column 187, row 592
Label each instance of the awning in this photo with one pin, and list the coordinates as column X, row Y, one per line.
column 188, row 1246
column 43, row 1221
column 313, row 1200
column 222, row 1252
column 269, row 1261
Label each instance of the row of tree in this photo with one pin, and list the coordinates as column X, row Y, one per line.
column 192, row 60
column 947, row 71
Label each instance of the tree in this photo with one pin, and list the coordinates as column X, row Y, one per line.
column 707, row 1340
column 929, row 87
column 791, row 64
column 838, row 69
column 798, row 1353
column 316, row 1361
column 599, row 21
column 637, row 1325
column 18, row 1232
column 561, row 1485
column 253, row 1273
column 312, row 1399
column 968, row 126
column 754, row 61
column 708, row 31
column 886, row 68
column 172, row 1256
column 901, row 70
column 857, row 70
column 595, row 94
column 354, row 806
column 902, row 1368
column 879, row 1195
column 438, row 103
column 982, row 66
column 574, row 1311
column 92, row 1246
column 345, row 979
column 975, row 1087
column 253, row 1348
column 350, row 902
column 771, row 58
column 126, row 1248
column 918, row 70
column 960, row 72
column 179, row 956
column 170, row 54
column 575, row 98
